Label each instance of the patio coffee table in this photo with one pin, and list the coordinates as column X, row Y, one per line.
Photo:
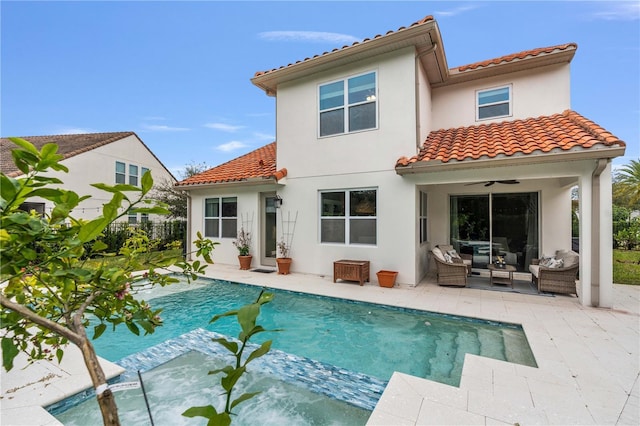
column 501, row 279
column 351, row 270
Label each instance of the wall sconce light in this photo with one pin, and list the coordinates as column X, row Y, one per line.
column 277, row 202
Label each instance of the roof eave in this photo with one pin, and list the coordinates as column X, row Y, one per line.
column 514, row 160
column 454, row 76
column 259, row 181
column 421, row 36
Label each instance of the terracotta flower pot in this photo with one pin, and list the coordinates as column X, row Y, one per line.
column 387, row 278
column 245, row 262
column 284, row 264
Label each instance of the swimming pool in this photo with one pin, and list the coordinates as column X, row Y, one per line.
column 338, row 350
column 371, row 339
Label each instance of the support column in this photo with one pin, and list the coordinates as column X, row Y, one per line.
column 584, row 281
column 605, row 232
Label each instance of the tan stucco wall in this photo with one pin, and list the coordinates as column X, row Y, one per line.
column 304, row 153
column 541, row 91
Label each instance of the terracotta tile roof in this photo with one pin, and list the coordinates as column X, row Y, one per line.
column 424, row 20
column 68, row 146
column 256, row 165
column 514, row 56
column 547, row 134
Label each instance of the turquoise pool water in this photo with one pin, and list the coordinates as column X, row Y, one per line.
column 371, row 339
column 183, row 382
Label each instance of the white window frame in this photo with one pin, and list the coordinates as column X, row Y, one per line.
column 509, row 102
column 423, row 223
column 347, row 218
column 133, row 177
column 124, row 175
column 345, row 107
column 220, row 218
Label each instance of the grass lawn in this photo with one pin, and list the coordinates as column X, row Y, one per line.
column 626, row 267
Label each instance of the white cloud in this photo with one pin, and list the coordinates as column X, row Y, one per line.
column 224, row 127
column 455, row 11
column 163, row 128
column 264, row 136
column 231, row 146
column 308, row 36
column 619, row 11
column 72, row 131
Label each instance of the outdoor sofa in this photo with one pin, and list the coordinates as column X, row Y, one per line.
column 557, row 273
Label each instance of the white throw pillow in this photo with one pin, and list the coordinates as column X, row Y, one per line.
column 453, row 254
column 555, row 263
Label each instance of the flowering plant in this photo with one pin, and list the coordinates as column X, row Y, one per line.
column 243, row 242
column 283, row 248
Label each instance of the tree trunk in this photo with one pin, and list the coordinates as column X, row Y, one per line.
column 106, row 400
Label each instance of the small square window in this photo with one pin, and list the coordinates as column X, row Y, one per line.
column 493, row 103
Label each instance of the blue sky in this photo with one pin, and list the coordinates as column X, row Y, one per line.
column 178, row 73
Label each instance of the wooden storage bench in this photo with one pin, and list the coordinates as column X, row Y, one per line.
column 351, row 270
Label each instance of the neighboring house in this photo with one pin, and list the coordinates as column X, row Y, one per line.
column 109, row 158
column 384, row 152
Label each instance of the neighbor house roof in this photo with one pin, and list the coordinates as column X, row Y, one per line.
column 565, row 133
column 68, row 146
column 257, row 166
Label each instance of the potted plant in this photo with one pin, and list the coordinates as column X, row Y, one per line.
column 243, row 244
column 283, row 260
column 387, row 278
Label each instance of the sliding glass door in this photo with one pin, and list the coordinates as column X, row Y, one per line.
column 490, row 225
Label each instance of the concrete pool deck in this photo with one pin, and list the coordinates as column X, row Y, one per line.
column 588, row 359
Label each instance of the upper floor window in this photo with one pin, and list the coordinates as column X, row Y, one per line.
column 121, row 172
column 133, row 175
column 493, row 103
column 348, row 217
column 220, row 217
column 348, row 105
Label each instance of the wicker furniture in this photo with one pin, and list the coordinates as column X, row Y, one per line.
column 449, row 273
column 557, row 280
column 351, row 270
column 496, row 277
column 467, row 259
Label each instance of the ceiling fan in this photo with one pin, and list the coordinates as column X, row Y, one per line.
column 492, row 182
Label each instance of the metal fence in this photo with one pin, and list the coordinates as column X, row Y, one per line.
column 165, row 232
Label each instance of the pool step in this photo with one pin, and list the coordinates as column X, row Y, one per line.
column 491, row 343
column 516, row 347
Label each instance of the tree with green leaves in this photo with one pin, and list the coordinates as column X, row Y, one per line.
column 53, row 289
column 626, row 186
column 176, row 199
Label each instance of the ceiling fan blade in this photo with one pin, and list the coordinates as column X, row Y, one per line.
column 509, row 182
column 491, row 182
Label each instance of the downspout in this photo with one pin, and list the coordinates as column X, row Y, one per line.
column 417, row 92
column 420, row 269
column 596, row 257
column 187, row 243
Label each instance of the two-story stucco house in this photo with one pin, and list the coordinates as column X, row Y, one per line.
column 383, row 152
column 109, row 158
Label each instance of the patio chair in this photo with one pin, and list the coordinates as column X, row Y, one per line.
column 467, row 259
column 453, row 272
